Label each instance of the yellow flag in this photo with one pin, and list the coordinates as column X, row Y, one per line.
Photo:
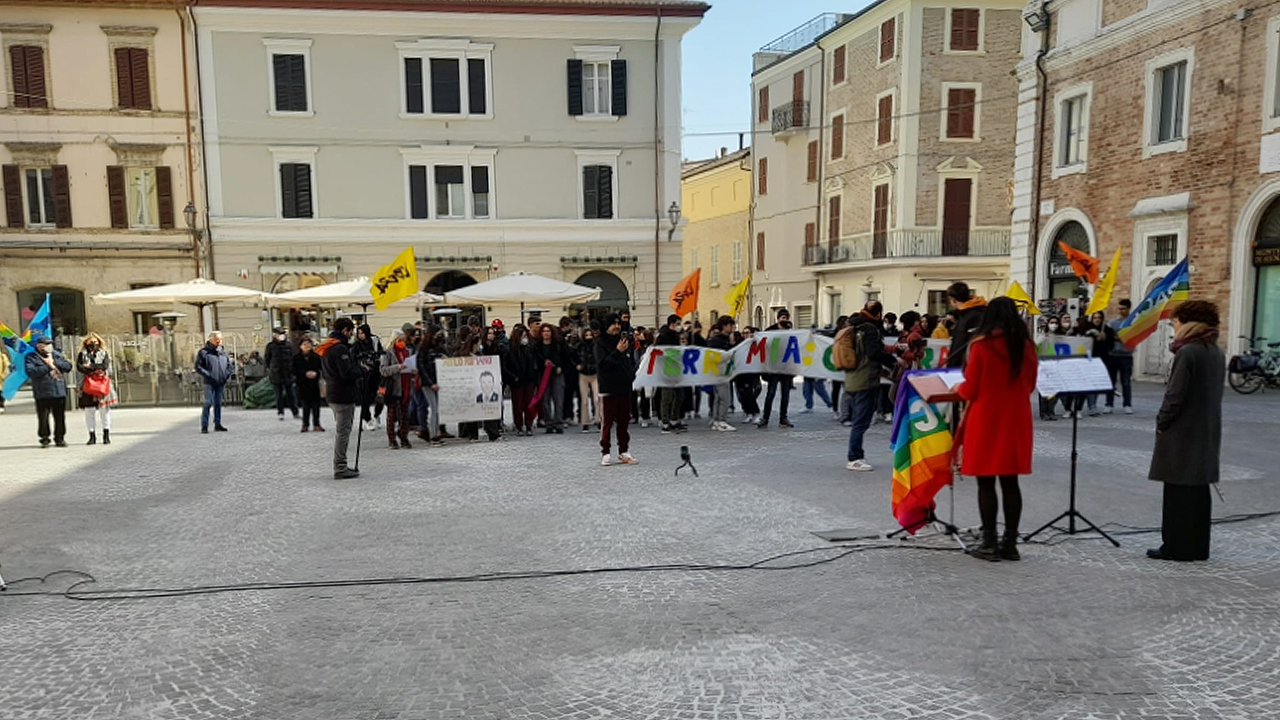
column 737, row 296
column 396, row 281
column 1021, row 298
column 1102, row 296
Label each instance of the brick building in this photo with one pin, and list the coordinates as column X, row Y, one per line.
column 1152, row 130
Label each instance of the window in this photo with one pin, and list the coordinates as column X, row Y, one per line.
column 26, row 69
column 1072, row 131
column 1163, row 250
column 295, row 190
column 37, row 196
column 480, row 191
column 938, row 303
column 715, row 265
column 597, row 86
column 290, row 76
column 419, row 208
column 451, row 200
column 760, row 251
column 833, row 220
column 737, row 261
column 811, row 174
column 461, row 179
column 880, row 221
column 597, row 192
column 762, row 106
column 884, row 119
column 960, row 112
column 965, row 32
column 888, row 40
column 140, row 197
column 1271, row 103
column 837, row 65
column 693, row 258
column 446, row 79
column 762, row 177
column 837, row 137
column 1170, row 102
column 133, row 78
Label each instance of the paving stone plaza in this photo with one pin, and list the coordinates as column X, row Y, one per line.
column 1078, row 630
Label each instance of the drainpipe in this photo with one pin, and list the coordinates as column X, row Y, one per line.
column 817, row 213
column 1037, row 172
column 204, row 150
column 657, row 171
column 186, row 108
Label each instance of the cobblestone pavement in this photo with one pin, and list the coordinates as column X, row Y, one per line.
column 1078, row 630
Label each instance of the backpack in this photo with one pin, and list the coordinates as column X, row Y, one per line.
column 845, row 351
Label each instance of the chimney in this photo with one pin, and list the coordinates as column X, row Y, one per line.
column 724, row 151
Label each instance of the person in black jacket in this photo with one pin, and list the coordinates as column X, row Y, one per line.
column 214, row 367
column 588, row 380
column 776, row 382
column 430, row 349
column 342, row 378
column 523, row 374
column 551, row 354
column 670, row 400
column 616, row 367
column 747, row 385
column 722, row 340
column 367, row 353
column 279, row 360
column 968, row 309
column 307, row 369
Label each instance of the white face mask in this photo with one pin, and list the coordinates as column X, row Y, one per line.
column 1053, row 327
column 524, row 341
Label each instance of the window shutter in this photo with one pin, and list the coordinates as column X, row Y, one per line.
column 797, row 87
column 837, row 66
column 477, row 87
column 812, row 174
column 116, row 196
column 888, row 39
column 837, row 137
column 27, row 62
column 164, row 197
column 479, row 179
column 763, row 178
column 575, row 87
column 18, row 63
column 446, row 94
column 298, row 84
column 302, row 184
column 960, row 110
column 124, row 78
column 418, row 208
column 833, row 220
column 288, row 191
column 448, row 174
column 413, row 100
column 12, row 178
column 141, row 75
column 619, row 70
column 760, row 251
column 605, row 191
column 762, row 112
column 291, row 82
column 61, row 196
column 810, row 235
column 590, row 192
column 964, row 28
column 884, row 121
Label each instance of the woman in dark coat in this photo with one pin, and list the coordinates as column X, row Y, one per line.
column 306, row 369
column 1189, row 433
column 523, row 377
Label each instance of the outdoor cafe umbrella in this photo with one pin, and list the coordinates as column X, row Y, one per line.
column 199, row 292
column 519, row 288
column 347, row 292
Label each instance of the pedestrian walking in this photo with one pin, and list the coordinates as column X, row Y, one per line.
column 278, row 356
column 47, row 371
column 589, row 382
column 1121, row 365
column 616, row 366
column 1188, row 446
column 342, row 378
column 96, row 394
column 214, row 368
column 995, row 434
column 306, row 370
column 776, row 381
column 862, row 383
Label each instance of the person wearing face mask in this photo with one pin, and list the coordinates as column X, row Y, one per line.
column 1048, row 406
column 93, row 361
column 397, row 385
column 523, row 377
column 279, row 359
column 341, row 377
column 47, row 370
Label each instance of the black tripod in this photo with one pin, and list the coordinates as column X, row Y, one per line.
column 942, row 527
column 1071, row 513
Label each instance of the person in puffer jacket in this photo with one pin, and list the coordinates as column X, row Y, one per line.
column 214, row 367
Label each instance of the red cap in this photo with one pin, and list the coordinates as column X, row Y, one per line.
column 497, row 324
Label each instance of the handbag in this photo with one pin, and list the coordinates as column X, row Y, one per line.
column 96, row 385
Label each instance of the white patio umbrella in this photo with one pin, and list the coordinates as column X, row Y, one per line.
column 519, row 288
column 347, row 292
column 199, row 292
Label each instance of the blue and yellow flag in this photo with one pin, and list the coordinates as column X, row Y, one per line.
column 396, row 281
column 1158, row 305
column 41, row 323
column 18, row 349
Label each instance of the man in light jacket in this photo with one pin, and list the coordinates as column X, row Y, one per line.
column 47, row 370
column 214, row 367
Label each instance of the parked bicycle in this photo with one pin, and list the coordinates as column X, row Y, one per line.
column 1255, row 368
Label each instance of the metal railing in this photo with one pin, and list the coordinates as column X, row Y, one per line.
column 791, row 116
column 804, row 35
column 911, row 244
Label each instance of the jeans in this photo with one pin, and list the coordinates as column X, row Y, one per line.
column 284, row 397
column 343, row 417
column 615, row 412
column 811, row 386
column 862, row 408
column 553, row 402
column 57, row 407
column 212, row 399
column 786, row 381
column 589, row 399
column 670, row 404
column 1122, row 366
column 720, row 402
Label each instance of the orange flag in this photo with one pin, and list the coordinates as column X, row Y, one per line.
column 1083, row 264
column 684, row 296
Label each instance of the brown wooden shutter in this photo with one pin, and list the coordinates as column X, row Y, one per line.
column 141, row 75
column 124, row 78
column 27, row 63
column 888, row 39
column 12, row 177
column 164, row 196
column 117, row 198
column 960, row 110
column 764, row 177
column 61, row 196
column 760, row 251
column 812, row 174
column 797, row 87
column 884, row 121
column 833, row 220
column 837, row 66
column 964, row 28
column 837, row 137
column 18, row 63
column 880, row 221
column 762, row 110
column 810, row 235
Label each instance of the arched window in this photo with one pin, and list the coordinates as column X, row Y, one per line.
column 1063, row 282
column 66, row 308
column 614, row 296
column 448, row 281
column 1266, row 258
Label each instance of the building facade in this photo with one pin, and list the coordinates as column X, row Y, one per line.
column 98, row 154
column 916, row 154
column 715, row 196
column 1153, row 131
column 534, row 135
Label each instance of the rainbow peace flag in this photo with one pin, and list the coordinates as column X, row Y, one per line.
column 921, row 442
column 9, row 337
column 1158, row 305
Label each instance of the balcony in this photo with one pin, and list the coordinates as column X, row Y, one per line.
column 791, row 118
column 910, row 244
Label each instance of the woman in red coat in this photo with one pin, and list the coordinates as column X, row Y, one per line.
column 996, row 434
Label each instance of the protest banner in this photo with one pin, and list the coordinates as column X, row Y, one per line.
column 470, row 388
column 1064, row 345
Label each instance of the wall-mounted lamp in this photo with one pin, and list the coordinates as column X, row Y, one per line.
column 673, row 213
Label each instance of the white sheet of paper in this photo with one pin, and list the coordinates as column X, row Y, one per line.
column 1073, row 375
column 410, row 365
column 952, row 378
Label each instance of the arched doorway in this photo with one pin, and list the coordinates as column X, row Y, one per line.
column 448, row 281
column 1063, row 282
column 66, row 309
column 445, row 316
column 614, row 296
column 759, row 316
column 1266, row 262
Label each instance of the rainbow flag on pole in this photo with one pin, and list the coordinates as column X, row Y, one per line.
column 1158, row 305
column 921, row 442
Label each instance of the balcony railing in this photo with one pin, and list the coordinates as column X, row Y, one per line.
column 804, row 35
column 791, row 117
column 911, row 244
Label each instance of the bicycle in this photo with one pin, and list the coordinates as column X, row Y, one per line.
column 1255, row 369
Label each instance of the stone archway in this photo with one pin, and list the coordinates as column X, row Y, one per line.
column 614, row 295
column 448, row 281
column 1047, row 246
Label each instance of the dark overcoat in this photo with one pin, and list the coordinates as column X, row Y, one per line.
column 1189, row 426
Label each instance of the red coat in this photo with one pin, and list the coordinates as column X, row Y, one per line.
column 996, row 434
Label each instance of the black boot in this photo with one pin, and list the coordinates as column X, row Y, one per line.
column 106, row 437
column 93, row 438
column 1009, row 547
column 988, row 550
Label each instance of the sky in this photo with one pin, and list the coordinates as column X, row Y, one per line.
column 717, row 65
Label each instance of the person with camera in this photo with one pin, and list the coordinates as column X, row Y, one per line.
column 342, row 379
column 616, row 368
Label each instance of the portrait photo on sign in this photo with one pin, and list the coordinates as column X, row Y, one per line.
column 488, row 388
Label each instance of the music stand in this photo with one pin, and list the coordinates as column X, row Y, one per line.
column 1073, row 377
column 933, row 389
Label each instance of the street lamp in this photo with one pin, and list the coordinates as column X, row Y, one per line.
column 673, row 212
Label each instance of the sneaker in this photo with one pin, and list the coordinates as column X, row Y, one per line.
column 785, row 424
column 586, row 429
column 476, row 439
column 280, row 417
column 394, row 445
column 345, row 474
column 726, row 427
column 219, row 428
column 887, row 417
column 858, row 466
column 806, row 411
column 1128, row 410
column 763, row 424
column 404, row 444
column 644, row 423
column 666, row 429
column 1107, row 410
column 204, row 430
column 1094, row 413
column 436, row 443
column 626, row 459
column 46, row 442
column 846, row 423
column 605, row 460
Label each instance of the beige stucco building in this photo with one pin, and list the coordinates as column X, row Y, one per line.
column 97, row 147
column 716, row 199
column 489, row 141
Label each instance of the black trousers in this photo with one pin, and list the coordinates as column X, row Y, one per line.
column 57, row 407
column 777, row 381
column 284, row 397
column 1185, row 529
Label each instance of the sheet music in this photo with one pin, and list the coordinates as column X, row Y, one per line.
column 952, row 378
column 1073, row 375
